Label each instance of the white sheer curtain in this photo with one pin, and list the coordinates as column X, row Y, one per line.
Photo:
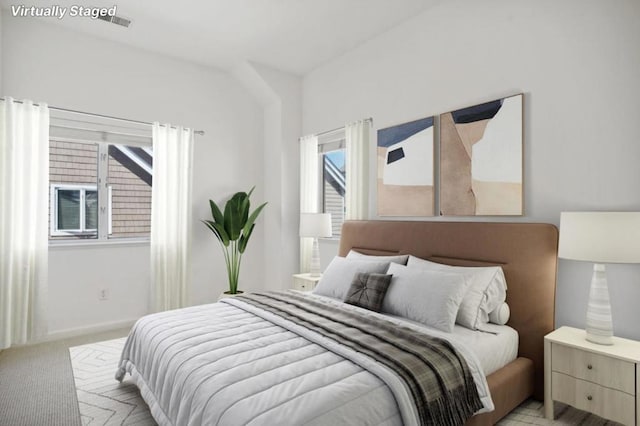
column 171, row 216
column 308, row 191
column 357, row 170
column 24, row 214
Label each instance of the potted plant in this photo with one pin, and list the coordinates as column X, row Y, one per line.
column 233, row 229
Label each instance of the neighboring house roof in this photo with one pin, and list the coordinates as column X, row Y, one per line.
column 334, row 176
column 138, row 160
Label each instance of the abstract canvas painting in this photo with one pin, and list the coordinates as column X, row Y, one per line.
column 481, row 159
column 405, row 169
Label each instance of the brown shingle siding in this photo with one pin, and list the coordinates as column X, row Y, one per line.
column 131, row 202
column 334, row 204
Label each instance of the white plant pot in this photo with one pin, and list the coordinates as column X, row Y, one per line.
column 224, row 295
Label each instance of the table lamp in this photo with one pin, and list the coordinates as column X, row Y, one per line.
column 315, row 225
column 600, row 237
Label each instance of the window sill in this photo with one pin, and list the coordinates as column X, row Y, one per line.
column 96, row 243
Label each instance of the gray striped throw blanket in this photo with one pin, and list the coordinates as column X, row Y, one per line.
column 436, row 374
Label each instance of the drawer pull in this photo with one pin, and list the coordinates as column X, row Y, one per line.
column 589, row 367
column 589, row 397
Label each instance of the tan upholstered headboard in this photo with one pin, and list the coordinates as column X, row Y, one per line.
column 526, row 251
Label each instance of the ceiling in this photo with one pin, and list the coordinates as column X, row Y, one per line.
column 291, row 35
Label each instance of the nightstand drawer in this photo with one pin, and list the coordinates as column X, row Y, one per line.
column 608, row 403
column 303, row 285
column 305, row 282
column 603, row 370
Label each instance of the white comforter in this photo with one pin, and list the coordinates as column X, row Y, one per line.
column 233, row 364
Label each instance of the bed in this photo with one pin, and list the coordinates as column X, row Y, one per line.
column 192, row 369
column 527, row 253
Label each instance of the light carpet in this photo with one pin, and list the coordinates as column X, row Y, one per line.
column 36, row 382
column 104, row 401
column 36, row 386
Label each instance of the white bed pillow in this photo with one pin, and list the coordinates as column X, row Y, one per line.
column 500, row 315
column 429, row 297
column 337, row 278
column 401, row 258
column 487, row 290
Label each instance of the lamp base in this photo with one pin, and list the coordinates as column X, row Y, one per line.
column 599, row 322
column 314, row 269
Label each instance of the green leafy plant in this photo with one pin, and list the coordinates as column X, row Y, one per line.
column 233, row 228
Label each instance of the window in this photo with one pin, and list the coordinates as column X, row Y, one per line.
column 332, row 181
column 100, row 180
column 74, row 210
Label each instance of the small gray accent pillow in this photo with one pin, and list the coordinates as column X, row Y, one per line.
column 337, row 278
column 368, row 290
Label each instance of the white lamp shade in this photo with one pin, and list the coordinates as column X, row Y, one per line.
column 316, row 225
column 601, row 237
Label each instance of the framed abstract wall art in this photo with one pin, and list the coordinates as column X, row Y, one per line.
column 481, row 159
column 405, row 156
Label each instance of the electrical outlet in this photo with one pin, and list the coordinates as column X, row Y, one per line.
column 104, row 294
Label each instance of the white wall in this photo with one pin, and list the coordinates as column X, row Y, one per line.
column 280, row 94
column 1, row 58
column 283, row 117
column 47, row 63
column 577, row 61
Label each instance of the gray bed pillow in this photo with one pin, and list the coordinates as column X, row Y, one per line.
column 368, row 290
column 399, row 258
column 338, row 276
column 426, row 296
column 487, row 289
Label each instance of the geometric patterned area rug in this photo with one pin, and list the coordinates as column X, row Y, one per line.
column 105, row 401
column 101, row 398
column 531, row 412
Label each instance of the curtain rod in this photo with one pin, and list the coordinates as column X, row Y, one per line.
column 59, row 126
column 370, row 120
column 146, row 123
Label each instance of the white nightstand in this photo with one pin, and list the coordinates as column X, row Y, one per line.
column 304, row 282
column 603, row 380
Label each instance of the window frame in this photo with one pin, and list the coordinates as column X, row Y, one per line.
column 53, row 200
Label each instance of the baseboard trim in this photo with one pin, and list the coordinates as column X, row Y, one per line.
column 90, row 329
